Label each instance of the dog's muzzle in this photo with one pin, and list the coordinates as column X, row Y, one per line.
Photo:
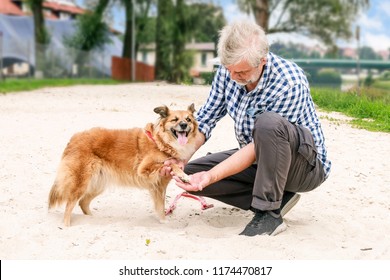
column 181, row 132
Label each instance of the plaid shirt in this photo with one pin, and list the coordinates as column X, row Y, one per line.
column 283, row 88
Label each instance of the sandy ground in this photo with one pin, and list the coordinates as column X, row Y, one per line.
column 347, row 218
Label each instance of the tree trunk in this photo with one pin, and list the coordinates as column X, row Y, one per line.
column 179, row 42
column 163, row 40
column 261, row 13
column 41, row 36
column 127, row 43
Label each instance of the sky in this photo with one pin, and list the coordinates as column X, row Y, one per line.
column 374, row 25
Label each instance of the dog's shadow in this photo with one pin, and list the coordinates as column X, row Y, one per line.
column 188, row 220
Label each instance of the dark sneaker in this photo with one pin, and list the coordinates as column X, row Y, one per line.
column 265, row 223
column 288, row 201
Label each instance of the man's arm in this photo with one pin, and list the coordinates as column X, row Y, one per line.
column 234, row 164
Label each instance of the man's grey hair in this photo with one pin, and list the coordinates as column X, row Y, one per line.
column 242, row 40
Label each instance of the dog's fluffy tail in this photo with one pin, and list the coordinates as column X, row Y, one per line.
column 55, row 196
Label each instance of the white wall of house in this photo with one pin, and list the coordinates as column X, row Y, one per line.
column 203, row 61
column 203, row 56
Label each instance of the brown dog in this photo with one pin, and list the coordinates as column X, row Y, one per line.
column 95, row 158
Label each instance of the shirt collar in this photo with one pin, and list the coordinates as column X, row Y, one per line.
column 264, row 76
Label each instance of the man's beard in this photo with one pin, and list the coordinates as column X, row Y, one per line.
column 255, row 77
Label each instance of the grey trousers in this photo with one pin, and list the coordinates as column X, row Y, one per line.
column 285, row 161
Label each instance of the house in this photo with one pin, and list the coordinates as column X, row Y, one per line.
column 204, row 53
column 52, row 9
column 17, row 63
column 12, row 8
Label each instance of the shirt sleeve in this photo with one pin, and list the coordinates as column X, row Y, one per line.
column 215, row 107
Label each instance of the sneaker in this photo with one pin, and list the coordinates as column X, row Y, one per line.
column 265, row 223
column 288, row 201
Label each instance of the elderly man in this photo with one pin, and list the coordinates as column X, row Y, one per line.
column 282, row 149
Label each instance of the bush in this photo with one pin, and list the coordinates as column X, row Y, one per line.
column 208, row 77
column 369, row 80
column 385, row 75
column 327, row 77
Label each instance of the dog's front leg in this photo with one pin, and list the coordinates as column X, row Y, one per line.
column 149, row 167
column 180, row 173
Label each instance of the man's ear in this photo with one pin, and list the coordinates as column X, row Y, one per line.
column 163, row 111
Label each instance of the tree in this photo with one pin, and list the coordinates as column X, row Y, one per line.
column 291, row 50
column 205, row 21
column 41, row 35
column 91, row 33
column 128, row 36
column 164, row 28
column 177, row 25
column 368, row 53
column 142, row 24
column 327, row 20
column 181, row 58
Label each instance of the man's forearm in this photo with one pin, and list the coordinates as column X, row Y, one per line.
column 234, row 164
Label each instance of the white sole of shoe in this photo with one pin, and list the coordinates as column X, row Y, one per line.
column 290, row 204
column 279, row 229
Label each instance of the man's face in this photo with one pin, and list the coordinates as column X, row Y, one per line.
column 243, row 73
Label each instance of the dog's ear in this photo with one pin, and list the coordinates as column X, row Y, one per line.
column 163, row 111
column 191, row 108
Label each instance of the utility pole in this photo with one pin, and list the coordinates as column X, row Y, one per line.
column 358, row 58
column 1, row 55
column 133, row 55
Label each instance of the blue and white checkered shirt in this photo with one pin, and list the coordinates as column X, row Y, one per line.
column 283, row 88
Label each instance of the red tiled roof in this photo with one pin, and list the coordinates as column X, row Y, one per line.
column 9, row 8
column 64, row 8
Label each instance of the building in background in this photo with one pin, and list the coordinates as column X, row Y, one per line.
column 203, row 54
column 17, row 52
column 52, row 9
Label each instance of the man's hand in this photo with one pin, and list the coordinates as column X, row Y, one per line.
column 197, row 181
column 166, row 170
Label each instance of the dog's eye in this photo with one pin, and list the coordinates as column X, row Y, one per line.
column 188, row 119
column 174, row 120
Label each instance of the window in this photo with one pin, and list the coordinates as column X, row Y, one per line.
column 204, row 59
column 144, row 56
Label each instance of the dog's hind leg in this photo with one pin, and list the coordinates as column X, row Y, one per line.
column 68, row 211
column 95, row 187
column 78, row 190
column 86, row 200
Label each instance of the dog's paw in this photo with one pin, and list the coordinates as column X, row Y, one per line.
column 163, row 221
column 180, row 173
column 185, row 178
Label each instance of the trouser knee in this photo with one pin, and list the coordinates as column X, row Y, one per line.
column 269, row 124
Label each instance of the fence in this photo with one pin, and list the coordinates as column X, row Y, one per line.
column 20, row 57
column 55, row 62
column 121, row 70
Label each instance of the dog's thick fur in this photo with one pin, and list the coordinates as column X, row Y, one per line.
column 95, row 158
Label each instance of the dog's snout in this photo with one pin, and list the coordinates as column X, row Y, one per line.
column 183, row 125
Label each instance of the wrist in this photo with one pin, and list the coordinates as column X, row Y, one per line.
column 213, row 176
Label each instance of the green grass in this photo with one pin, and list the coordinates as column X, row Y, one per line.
column 382, row 84
column 14, row 85
column 369, row 110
